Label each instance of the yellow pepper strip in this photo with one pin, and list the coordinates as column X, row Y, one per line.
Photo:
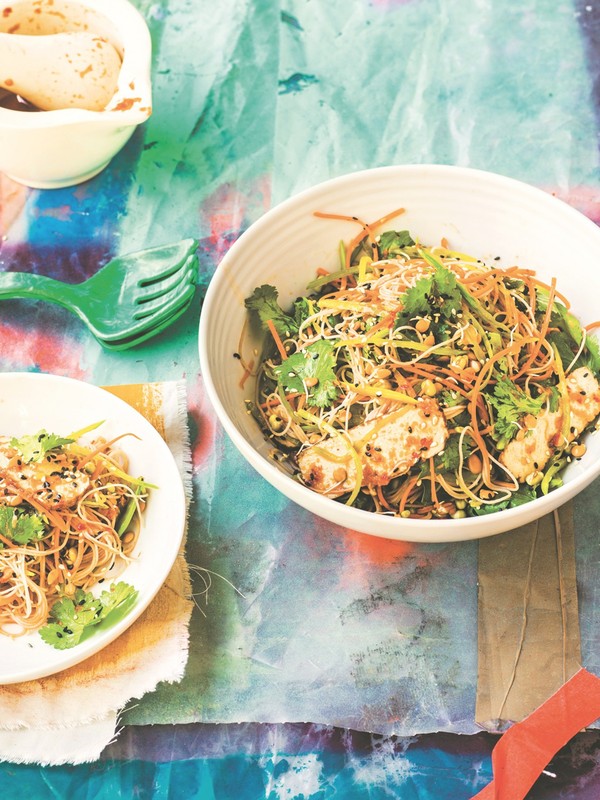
column 78, row 434
column 451, row 253
column 341, row 305
column 325, row 426
column 362, row 268
column 374, row 391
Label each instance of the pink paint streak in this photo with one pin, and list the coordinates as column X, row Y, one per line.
column 229, row 210
column 61, row 213
column 27, row 349
column 584, row 198
column 206, row 425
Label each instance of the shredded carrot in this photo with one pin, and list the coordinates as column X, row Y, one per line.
column 277, row 339
column 247, row 372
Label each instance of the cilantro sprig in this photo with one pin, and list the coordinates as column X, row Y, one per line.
column 312, row 367
column 72, row 617
column 566, row 334
column 33, row 447
column 511, row 404
column 265, row 304
column 19, row 527
column 438, row 293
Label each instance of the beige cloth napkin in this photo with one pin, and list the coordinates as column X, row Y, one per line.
column 70, row 717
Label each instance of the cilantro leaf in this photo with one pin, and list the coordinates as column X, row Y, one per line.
column 415, row 301
column 302, row 310
column 438, row 293
column 263, row 301
column 59, row 636
column 510, row 403
column 524, row 494
column 71, row 618
column 34, row 447
column 593, row 353
column 116, row 597
column 566, row 335
column 315, row 362
column 390, row 243
column 449, row 459
column 19, row 527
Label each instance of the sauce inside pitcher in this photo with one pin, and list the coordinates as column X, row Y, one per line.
column 14, row 102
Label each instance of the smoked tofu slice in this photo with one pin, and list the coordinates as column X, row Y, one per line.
column 387, row 447
column 56, row 486
column 532, row 452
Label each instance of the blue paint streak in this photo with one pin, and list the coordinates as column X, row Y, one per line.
column 290, row 20
column 296, row 83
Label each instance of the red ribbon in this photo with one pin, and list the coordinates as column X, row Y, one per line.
column 526, row 748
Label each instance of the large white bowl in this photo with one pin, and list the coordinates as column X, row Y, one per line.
column 481, row 213
column 32, row 401
column 50, row 149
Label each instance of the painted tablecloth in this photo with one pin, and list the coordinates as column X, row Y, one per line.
column 254, row 101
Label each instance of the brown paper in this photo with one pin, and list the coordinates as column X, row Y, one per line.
column 528, row 624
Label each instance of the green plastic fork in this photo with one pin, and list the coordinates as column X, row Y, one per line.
column 132, row 298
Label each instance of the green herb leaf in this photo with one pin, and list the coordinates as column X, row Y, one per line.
column 511, row 403
column 314, row 362
column 439, row 293
column 391, row 243
column 449, row 459
column 115, row 597
column 59, row 636
column 71, row 618
column 264, row 303
column 19, row 527
column 35, row 447
column 302, row 311
column 567, row 335
column 524, row 494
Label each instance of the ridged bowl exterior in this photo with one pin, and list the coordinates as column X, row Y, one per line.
column 480, row 213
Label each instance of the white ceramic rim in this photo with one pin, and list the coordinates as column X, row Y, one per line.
column 425, row 531
column 137, row 57
column 60, row 660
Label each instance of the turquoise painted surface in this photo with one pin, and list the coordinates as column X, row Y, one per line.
column 254, row 101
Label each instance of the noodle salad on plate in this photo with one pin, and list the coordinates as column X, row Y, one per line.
column 70, row 519
column 420, row 382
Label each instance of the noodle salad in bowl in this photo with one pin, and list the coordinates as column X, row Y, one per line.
column 410, row 351
column 421, row 382
column 92, row 517
column 70, row 515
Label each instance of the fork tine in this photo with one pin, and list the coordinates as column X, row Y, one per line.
column 132, row 341
column 155, row 301
column 174, row 262
column 156, row 310
column 162, row 317
column 187, row 273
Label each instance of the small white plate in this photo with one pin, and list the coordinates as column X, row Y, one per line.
column 32, row 401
